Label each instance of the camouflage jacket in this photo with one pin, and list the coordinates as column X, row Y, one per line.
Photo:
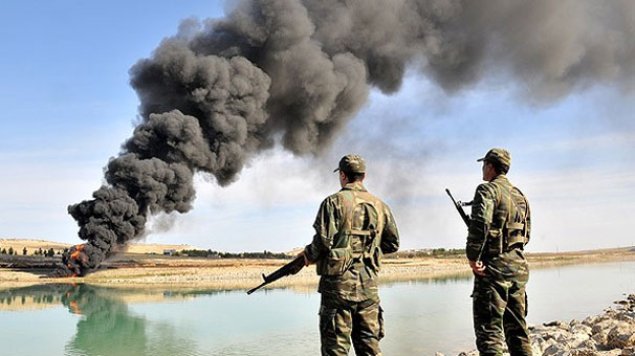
column 501, row 213
column 349, row 262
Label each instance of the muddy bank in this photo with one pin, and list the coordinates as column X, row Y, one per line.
column 152, row 271
column 610, row 333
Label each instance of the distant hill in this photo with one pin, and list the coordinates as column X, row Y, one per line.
column 33, row 245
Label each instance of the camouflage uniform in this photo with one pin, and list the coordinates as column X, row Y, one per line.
column 353, row 229
column 500, row 216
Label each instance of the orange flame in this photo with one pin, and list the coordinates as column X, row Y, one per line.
column 74, row 307
column 77, row 255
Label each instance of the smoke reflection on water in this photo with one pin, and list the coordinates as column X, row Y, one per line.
column 422, row 316
column 106, row 326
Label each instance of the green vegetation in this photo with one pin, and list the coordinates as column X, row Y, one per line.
column 25, row 252
column 215, row 254
column 436, row 252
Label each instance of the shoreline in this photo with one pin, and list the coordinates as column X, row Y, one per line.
column 611, row 333
column 159, row 272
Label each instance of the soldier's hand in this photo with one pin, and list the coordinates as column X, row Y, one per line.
column 478, row 267
column 296, row 267
column 306, row 259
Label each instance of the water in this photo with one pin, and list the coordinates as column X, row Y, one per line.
column 421, row 316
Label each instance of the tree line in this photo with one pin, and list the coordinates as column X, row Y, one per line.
column 217, row 254
column 39, row 252
column 436, row 252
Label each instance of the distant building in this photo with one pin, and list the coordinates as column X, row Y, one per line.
column 169, row 252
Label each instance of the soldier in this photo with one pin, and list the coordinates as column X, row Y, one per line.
column 353, row 229
column 499, row 230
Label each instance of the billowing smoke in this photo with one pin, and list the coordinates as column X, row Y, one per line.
column 296, row 71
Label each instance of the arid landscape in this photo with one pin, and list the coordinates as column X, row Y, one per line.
column 145, row 266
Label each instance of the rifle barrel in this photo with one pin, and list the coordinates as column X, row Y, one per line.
column 458, row 207
column 292, row 267
column 255, row 289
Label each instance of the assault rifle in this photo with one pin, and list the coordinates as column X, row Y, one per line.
column 292, row 267
column 459, row 207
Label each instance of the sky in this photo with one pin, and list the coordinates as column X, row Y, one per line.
column 67, row 106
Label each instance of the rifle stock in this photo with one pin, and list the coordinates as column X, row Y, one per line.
column 292, row 267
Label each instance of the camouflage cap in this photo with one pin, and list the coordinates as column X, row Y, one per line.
column 498, row 155
column 351, row 164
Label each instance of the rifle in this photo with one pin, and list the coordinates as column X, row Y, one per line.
column 459, row 207
column 292, row 267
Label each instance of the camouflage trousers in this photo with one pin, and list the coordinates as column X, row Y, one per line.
column 500, row 306
column 341, row 321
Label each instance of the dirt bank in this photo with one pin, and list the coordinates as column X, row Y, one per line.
column 155, row 271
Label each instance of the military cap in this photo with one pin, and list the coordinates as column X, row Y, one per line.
column 351, row 164
column 498, row 156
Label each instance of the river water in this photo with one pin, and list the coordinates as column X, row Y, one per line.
column 421, row 316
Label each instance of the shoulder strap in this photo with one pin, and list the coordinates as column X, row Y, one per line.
column 346, row 199
column 373, row 209
column 509, row 215
column 522, row 225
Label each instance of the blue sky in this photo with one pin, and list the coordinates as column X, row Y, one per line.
column 67, row 107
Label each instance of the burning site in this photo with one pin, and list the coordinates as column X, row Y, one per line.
column 293, row 73
column 479, row 154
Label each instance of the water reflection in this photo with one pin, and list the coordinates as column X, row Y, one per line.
column 34, row 297
column 106, row 325
column 436, row 280
column 422, row 315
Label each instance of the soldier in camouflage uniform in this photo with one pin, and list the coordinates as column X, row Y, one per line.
column 499, row 229
column 353, row 229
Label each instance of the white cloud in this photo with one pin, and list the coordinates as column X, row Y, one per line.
column 580, row 183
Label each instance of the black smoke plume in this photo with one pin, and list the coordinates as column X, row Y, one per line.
column 296, row 71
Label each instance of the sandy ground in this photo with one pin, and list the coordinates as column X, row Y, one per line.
column 33, row 245
column 160, row 272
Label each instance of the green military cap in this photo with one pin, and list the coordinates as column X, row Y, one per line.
column 498, row 155
column 352, row 164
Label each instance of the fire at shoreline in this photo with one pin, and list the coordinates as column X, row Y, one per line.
column 74, row 263
column 218, row 93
